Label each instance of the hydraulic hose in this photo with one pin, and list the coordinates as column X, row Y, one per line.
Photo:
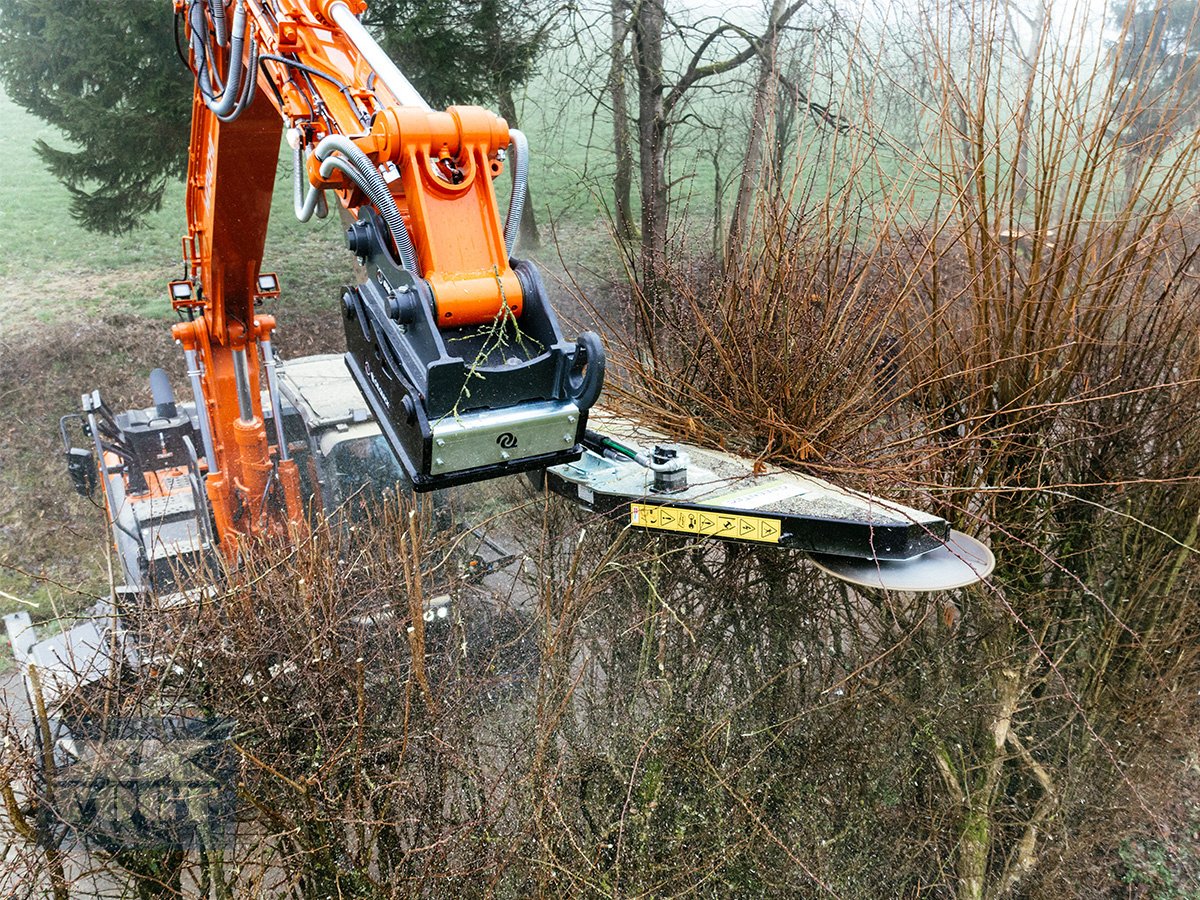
column 238, row 92
column 304, row 206
column 366, row 176
column 248, row 88
column 218, row 16
column 604, row 445
column 520, row 187
column 199, row 29
column 374, row 187
column 232, row 97
column 408, row 257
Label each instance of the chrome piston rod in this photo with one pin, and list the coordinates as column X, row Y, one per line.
column 193, row 373
column 393, row 79
column 273, row 392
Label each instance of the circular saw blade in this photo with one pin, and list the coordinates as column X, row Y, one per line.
column 961, row 561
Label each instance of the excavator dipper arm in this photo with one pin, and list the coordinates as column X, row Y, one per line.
column 452, row 342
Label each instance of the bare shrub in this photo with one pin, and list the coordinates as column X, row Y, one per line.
column 995, row 316
column 1020, row 353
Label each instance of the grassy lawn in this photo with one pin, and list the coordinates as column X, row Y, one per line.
column 52, row 270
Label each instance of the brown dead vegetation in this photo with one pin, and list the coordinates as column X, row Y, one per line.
column 689, row 718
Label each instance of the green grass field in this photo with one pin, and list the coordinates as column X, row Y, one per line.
column 52, row 269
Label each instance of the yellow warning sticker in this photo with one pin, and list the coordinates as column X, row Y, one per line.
column 715, row 524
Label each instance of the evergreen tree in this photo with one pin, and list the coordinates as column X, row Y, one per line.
column 111, row 77
column 107, row 75
column 1156, row 54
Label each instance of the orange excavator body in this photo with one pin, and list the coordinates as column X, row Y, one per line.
column 441, row 166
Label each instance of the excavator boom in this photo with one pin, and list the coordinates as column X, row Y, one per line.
column 451, row 340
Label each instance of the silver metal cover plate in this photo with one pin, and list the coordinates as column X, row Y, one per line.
column 491, row 437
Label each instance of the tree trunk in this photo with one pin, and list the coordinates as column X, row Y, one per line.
column 530, row 238
column 718, row 239
column 652, row 131
column 1025, row 119
column 623, row 179
column 764, row 109
column 974, row 785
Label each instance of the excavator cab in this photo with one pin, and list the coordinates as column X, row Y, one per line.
column 362, row 465
column 152, row 467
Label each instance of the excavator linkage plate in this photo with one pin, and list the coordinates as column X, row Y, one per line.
column 458, row 405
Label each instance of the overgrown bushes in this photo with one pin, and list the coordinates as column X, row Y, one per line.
column 986, row 318
column 1020, row 353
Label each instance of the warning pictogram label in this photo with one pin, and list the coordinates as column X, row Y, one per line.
column 689, row 521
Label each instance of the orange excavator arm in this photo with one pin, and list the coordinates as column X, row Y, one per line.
column 451, row 340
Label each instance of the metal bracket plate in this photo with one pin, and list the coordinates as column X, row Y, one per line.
column 493, row 437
